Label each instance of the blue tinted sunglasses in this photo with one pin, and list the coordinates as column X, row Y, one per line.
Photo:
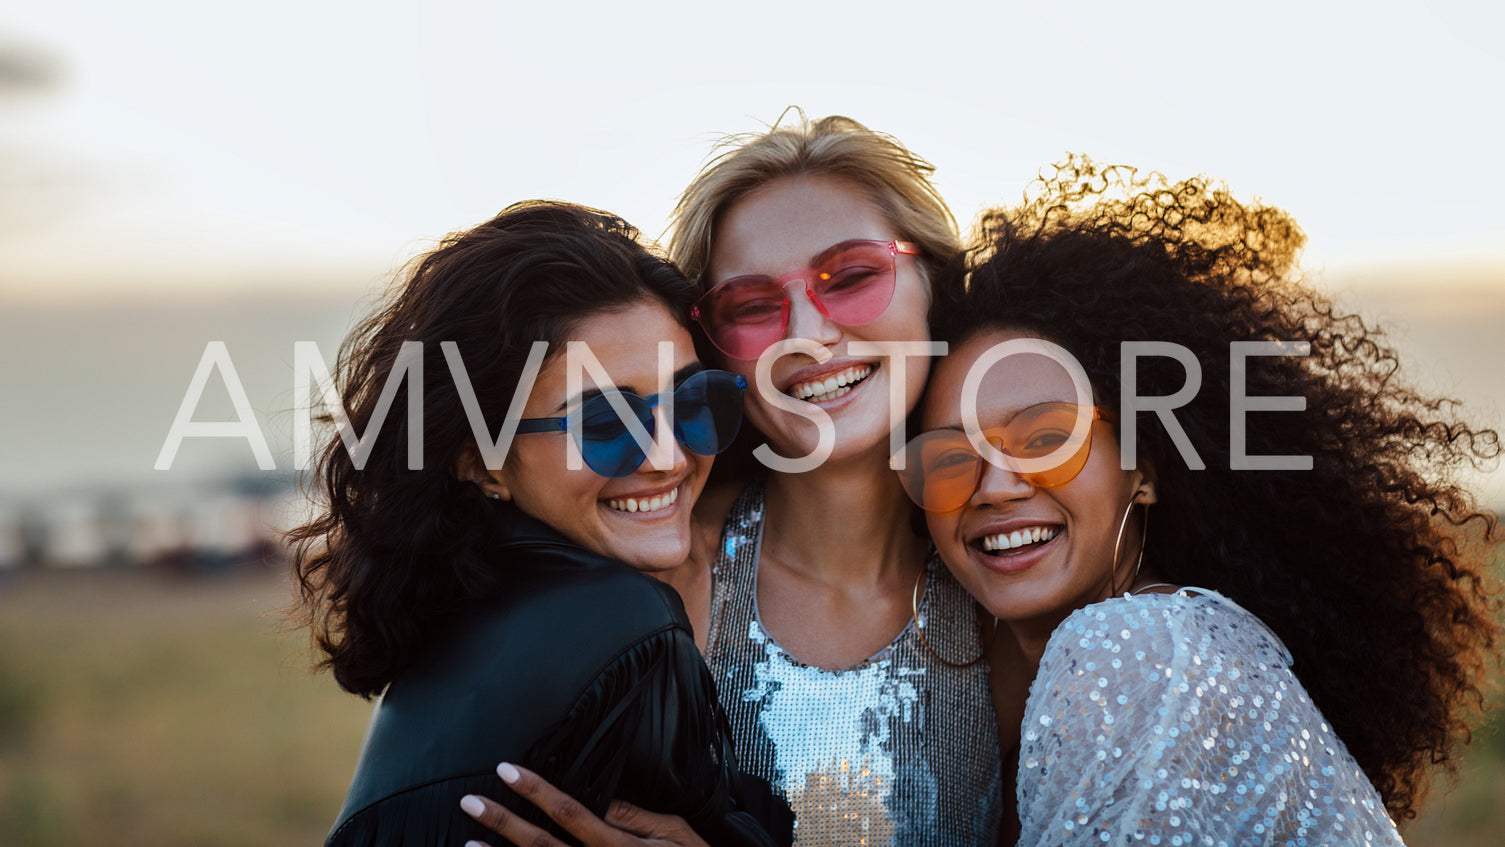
column 707, row 415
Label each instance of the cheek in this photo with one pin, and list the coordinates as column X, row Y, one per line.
column 913, row 301
column 758, row 410
column 700, row 468
column 526, row 468
column 943, row 527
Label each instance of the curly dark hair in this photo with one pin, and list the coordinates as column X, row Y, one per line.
column 396, row 551
column 1374, row 566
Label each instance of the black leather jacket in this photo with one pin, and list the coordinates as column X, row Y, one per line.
column 586, row 672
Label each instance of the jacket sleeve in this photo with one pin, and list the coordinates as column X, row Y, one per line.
column 650, row 731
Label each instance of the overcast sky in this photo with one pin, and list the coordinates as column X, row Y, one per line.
column 182, row 144
column 194, row 158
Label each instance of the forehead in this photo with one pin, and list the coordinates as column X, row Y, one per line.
column 784, row 224
column 630, row 359
column 1009, row 384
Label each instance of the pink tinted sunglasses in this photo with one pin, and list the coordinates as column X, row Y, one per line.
column 850, row 283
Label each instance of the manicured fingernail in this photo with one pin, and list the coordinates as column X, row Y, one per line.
column 507, row 772
column 472, row 806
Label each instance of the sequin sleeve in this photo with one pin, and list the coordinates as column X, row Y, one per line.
column 1176, row 720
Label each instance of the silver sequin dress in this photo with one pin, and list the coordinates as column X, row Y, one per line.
column 898, row 750
column 1175, row 720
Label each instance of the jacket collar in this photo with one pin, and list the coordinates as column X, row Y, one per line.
column 518, row 531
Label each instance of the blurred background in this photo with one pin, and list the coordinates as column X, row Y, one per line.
column 174, row 174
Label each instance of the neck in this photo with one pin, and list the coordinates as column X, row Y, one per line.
column 1031, row 638
column 1033, row 635
column 847, row 523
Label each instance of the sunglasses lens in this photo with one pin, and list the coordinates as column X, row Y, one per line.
column 940, row 470
column 708, row 411
column 856, row 283
column 743, row 316
column 707, row 415
column 1045, row 430
column 606, row 443
column 851, row 283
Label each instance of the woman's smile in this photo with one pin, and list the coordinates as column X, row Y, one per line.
column 830, row 381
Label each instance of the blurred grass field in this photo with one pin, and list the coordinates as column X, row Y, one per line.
column 141, row 712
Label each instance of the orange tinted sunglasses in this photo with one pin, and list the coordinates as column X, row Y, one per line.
column 942, row 470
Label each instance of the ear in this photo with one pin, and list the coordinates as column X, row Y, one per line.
column 468, row 467
column 1146, row 485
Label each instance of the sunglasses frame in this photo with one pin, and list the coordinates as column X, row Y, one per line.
column 806, row 275
column 1033, row 478
column 562, row 424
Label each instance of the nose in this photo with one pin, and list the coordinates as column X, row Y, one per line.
column 805, row 318
column 997, row 485
column 667, row 455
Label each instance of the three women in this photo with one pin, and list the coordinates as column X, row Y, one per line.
column 816, row 607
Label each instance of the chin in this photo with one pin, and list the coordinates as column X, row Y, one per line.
column 656, row 555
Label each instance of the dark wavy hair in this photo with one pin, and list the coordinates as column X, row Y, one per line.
column 1373, row 566
column 396, row 551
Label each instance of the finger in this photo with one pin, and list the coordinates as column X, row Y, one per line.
column 623, row 815
column 495, row 817
column 561, row 808
column 652, row 825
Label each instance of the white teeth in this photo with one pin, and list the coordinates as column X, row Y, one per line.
column 1019, row 538
column 820, row 390
column 644, row 504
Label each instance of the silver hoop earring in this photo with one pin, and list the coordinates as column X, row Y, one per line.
column 919, row 628
column 1118, row 543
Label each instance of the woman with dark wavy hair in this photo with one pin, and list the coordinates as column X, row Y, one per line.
column 497, row 595
column 1267, row 619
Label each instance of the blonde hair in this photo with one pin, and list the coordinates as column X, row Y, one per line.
column 897, row 181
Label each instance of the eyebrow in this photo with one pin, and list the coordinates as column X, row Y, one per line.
column 1008, row 420
column 838, row 247
column 589, row 394
column 814, row 260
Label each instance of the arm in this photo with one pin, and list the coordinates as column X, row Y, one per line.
column 1178, row 719
column 650, row 732
column 625, row 825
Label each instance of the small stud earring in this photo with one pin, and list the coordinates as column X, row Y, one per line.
column 493, row 495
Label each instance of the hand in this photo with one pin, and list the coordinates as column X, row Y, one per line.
column 625, row 826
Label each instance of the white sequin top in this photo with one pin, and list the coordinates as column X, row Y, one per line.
column 899, row 750
column 1175, row 720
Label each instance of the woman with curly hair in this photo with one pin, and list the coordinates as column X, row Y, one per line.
column 498, row 596
column 1206, row 509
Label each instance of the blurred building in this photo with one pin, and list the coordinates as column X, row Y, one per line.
column 175, row 529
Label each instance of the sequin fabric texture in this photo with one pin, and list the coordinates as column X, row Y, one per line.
column 1175, row 720
column 898, row 750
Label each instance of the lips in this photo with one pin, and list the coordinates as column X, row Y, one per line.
column 829, row 385
column 1015, row 545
